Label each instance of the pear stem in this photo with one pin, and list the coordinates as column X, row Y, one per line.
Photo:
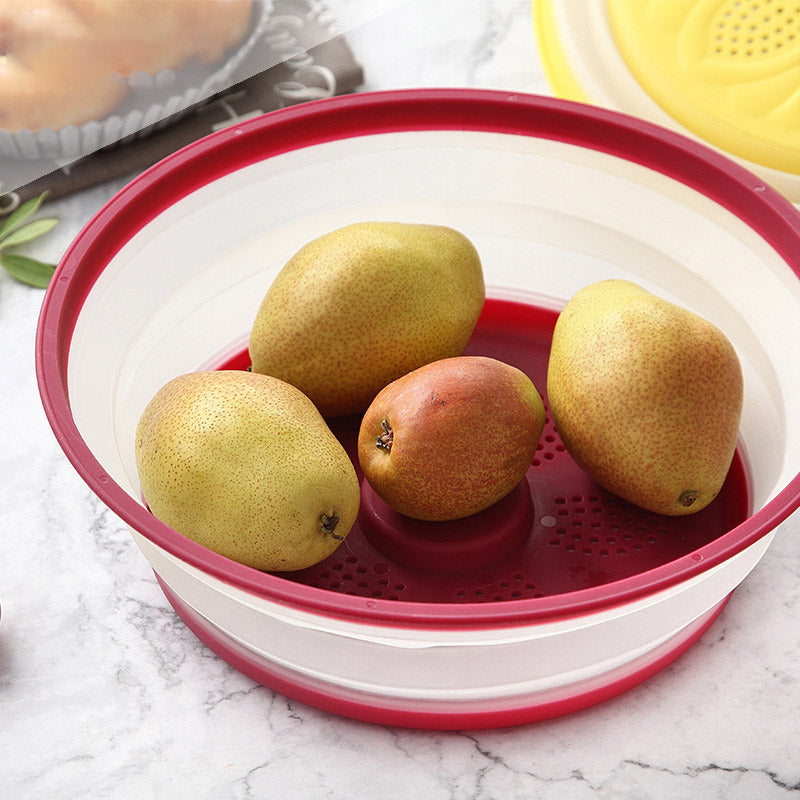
column 385, row 440
column 328, row 523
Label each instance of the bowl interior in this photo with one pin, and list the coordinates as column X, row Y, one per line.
column 558, row 532
column 176, row 287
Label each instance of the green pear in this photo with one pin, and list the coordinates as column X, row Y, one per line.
column 245, row 465
column 451, row 438
column 646, row 396
column 364, row 304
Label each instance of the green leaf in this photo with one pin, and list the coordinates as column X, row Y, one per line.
column 28, row 232
column 28, row 270
column 21, row 214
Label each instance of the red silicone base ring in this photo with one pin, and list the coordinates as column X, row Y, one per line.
column 442, row 715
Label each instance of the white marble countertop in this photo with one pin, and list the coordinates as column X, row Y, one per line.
column 104, row 693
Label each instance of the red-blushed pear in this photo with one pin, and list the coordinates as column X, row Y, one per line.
column 362, row 305
column 646, row 396
column 245, row 465
column 451, row 438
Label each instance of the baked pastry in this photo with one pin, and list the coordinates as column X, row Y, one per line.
column 65, row 62
column 151, row 35
column 41, row 80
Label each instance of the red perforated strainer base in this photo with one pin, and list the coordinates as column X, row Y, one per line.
column 558, row 532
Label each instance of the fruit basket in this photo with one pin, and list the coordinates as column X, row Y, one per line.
column 561, row 595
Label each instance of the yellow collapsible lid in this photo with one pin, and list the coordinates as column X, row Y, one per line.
column 725, row 71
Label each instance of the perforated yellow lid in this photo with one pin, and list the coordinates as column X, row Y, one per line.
column 727, row 70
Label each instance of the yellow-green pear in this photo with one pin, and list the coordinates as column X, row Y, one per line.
column 362, row 305
column 245, row 465
column 646, row 396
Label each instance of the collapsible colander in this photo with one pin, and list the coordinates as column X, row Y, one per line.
column 559, row 596
column 726, row 71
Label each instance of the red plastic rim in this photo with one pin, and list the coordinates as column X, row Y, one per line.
column 677, row 157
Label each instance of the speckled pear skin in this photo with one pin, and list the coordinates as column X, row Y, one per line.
column 245, row 465
column 364, row 304
column 646, row 396
column 451, row 438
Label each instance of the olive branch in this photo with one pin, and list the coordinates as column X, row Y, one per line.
column 15, row 231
